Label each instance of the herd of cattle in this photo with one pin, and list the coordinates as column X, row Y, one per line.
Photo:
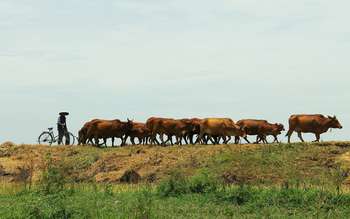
column 201, row 131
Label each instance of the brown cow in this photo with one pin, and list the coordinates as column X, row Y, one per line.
column 270, row 129
column 152, row 124
column 169, row 127
column 251, row 126
column 189, row 127
column 219, row 127
column 195, row 129
column 110, row 129
column 315, row 123
column 141, row 132
column 83, row 137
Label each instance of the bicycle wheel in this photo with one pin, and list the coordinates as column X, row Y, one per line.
column 45, row 138
column 71, row 139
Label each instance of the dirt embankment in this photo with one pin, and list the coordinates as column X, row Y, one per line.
column 87, row 164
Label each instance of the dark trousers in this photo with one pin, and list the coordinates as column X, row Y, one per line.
column 63, row 131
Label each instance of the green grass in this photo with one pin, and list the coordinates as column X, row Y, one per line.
column 274, row 181
column 276, row 164
column 224, row 202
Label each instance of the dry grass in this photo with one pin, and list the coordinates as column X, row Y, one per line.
column 90, row 164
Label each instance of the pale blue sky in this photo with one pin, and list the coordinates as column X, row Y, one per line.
column 136, row 59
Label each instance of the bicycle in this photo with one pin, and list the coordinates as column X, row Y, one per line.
column 48, row 137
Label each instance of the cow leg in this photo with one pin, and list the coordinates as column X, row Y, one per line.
column 199, row 139
column 96, row 141
column 224, row 139
column 289, row 134
column 140, row 140
column 265, row 139
column 216, row 139
column 276, row 139
column 185, row 139
column 190, row 138
column 236, row 139
column 228, row 139
column 219, row 138
column 212, row 139
column 171, row 140
column 178, row 140
column 123, row 140
column 153, row 138
column 161, row 136
column 317, row 137
column 206, row 139
column 300, row 136
column 258, row 139
column 246, row 139
column 132, row 139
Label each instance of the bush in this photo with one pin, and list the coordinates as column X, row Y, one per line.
column 237, row 196
column 176, row 184
column 203, row 183
column 52, row 180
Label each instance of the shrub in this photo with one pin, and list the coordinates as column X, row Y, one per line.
column 203, row 183
column 237, row 196
column 52, row 180
column 176, row 184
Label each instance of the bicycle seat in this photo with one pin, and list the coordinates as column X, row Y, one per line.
column 50, row 129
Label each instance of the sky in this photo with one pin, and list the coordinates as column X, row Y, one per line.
column 136, row 59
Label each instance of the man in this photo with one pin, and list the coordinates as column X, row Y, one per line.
column 62, row 128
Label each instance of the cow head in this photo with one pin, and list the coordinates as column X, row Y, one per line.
column 129, row 125
column 280, row 127
column 242, row 131
column 334, row 123
column 196, row 124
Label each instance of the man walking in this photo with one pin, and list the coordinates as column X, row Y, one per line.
column 62, row 128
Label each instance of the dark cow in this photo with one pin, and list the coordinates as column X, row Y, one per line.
column 195, row 129
column 315, row 123
column 141, row 132
column 110, row 129
column 219, row 128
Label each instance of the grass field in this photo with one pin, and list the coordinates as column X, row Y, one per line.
column 223, row 181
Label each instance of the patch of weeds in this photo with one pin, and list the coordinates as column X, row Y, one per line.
column 175, row 185
column 203, row 183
